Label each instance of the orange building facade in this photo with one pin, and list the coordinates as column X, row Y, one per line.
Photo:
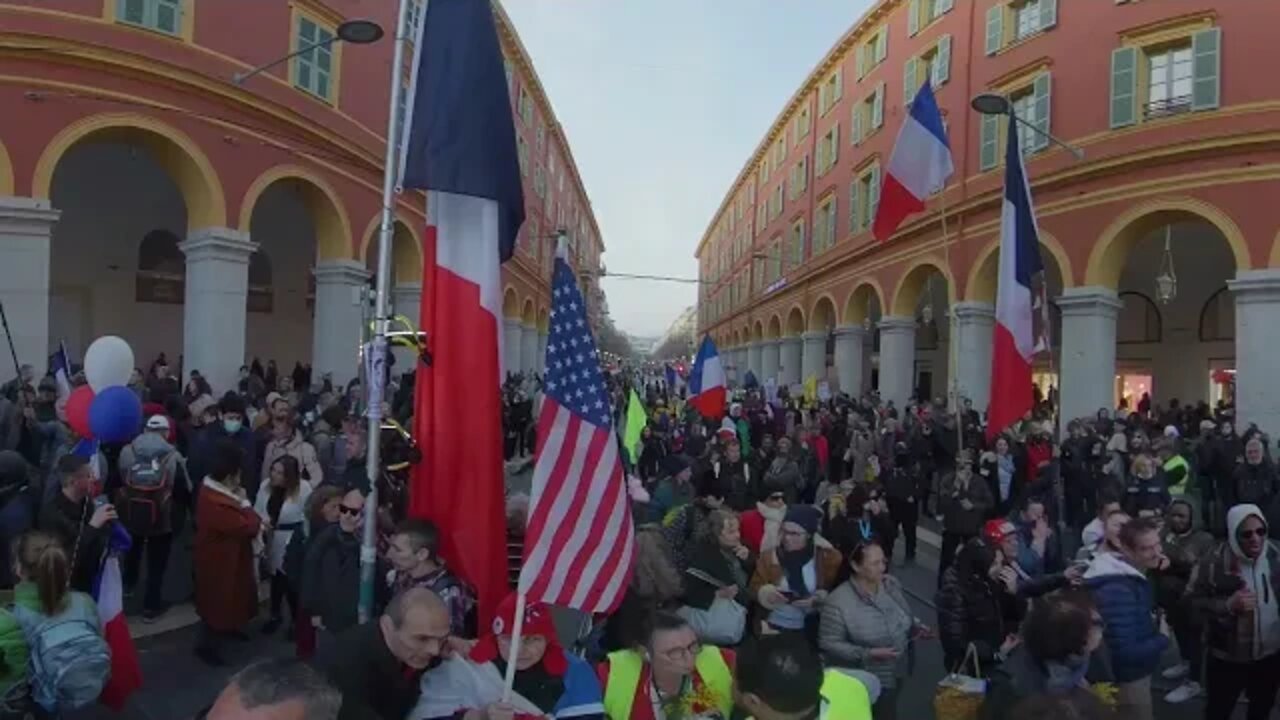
column 1180, row 166
column 150, row 194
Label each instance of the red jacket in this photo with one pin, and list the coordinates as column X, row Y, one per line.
column 751, row 523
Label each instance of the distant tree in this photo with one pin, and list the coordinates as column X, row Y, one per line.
column 612, row 340
column 676, row 345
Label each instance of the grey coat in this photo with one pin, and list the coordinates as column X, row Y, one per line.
column 854, row 623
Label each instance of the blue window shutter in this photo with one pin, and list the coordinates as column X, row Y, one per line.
column 1206, row 54
column 1124, row 87
column 1042, row 95
column 995, row 29
column 990, row 142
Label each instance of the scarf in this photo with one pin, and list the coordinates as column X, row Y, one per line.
column 793, row 563
column 772, row 525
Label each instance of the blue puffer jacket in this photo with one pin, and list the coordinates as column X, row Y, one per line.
column 1125, row 600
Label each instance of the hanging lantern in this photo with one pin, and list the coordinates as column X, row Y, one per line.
column 926, row 314
column 1167, row 280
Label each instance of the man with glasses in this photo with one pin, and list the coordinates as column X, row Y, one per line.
column 672, row 676
column 378, row 666
column 1236, row 592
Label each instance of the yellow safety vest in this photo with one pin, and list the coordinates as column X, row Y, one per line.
column 1169, row 465
column 626, row 666
column 844, row 698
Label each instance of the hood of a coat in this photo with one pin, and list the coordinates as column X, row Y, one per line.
column 1235, row 518
column 149, row 445
column 1108, row 565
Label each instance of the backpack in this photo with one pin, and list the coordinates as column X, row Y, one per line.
column 145, row 502
column 70, row 662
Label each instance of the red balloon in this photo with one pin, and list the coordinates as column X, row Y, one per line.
column 78, row 411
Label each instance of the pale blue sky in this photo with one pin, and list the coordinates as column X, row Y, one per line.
column 662, row 101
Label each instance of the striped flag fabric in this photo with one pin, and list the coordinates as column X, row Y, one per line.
column 919, row 166
column 126, row 672
column 707, row 386
column 60, row 368
column 460, row 146
column 579, row 545
column 1019, row 286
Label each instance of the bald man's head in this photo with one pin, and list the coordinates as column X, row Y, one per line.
column 416, row 627
column 277, row 689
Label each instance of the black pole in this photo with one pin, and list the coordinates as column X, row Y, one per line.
column 17, row 369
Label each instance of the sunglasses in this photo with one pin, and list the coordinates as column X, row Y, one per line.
column 1260, row 533
column 354, row 512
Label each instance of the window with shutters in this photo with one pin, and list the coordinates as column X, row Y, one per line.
column 1012, row 21
column 864, row 197
column 160, row 15
column 868, row 115
column 1167, row 71
column 779, row 152
column 522, row 153
column 795, row 245
column 828, row 150
column 412, row 17
column 824, row 224
column 799, row 178
column 539, row 181
column 920, row 13
column 524, row 108
column 872, row 52
column 313, row 67
column 933, row 64
column 775, row 202
column 1031, row 99
column 804, row 121
column 775, row 260
column 830, row 92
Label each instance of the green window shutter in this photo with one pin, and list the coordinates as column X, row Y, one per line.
column 857, row 123
column 853, row 206
column 132, row 11
column 1042, row 96
column 1048, row 14
column 1206, row 54
column 944, row 6
column 168, row 15
column 989, row 146
column 874, row 201
column 1124, row 87
column 910, row 84
column 913, row 18
column 860, row 61
column 838, row 90
column 877, row 108
column 882, row 44
column 834, row 153
column 942, row 62
column 995, row 29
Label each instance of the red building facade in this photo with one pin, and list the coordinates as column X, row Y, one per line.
column 1179, row 161
column 155, row 81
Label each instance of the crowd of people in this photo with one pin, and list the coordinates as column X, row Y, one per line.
column 767, row 541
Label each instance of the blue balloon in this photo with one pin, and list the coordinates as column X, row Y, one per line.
column 115, row 415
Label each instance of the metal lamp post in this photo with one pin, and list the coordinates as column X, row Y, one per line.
column 356, row 32
column 997, row 104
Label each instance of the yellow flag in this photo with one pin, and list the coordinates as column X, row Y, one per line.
column 636, row 420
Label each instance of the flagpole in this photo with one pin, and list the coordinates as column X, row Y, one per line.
column 386, row 236
column 953, row 325
column 514, row 652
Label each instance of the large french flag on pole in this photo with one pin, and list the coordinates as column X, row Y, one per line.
column 919, row 166
column 1018, row 285
column 707, row 383
column 461, row 148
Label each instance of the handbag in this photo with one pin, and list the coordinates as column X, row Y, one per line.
column 723, row 624
column 959, row 696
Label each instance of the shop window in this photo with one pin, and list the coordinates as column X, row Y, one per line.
column 162, row 270
column 1139, row 321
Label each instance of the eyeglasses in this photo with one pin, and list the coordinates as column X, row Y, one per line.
column 1260, row 533
column 350, row 510
column 677, row 654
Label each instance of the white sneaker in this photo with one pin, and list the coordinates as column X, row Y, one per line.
column 1176, row 672
column 1183, row 692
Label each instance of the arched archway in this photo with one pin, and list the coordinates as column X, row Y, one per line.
column 6, row 172
column 528, row 315
column 1218, row 318
column 774, row 329
column 123, row 189
column 510, row 303
column 406, row 251
column 915, row 340
column 981, row 283
column 822, row 317
column 1115, row 246
column 864, row 303
column 795, row 322
column 543, row 318
column 331, row 227
column 171, row 150
column 919, row 278
column 757, row 331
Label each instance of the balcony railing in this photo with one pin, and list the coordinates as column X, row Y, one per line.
column 1168, row 106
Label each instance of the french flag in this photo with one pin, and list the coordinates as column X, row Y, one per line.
column 919, row 166
column 126, row 673
column 706, row 383
column 1019, row 283
column 60, row 366
column 461, row 148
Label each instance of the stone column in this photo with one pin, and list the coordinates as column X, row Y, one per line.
column 1088, row 351
column 813, row 358
column 769, row 360
column 528, row 349
column 542, row 350
column 850, row 340
column 512, row 346
column 975, row 324
column 789, row 352
column 26, row 229
column 753, row 359
column 213, row 313
column 406, row 300
column 341, row 296
column 1257, row 295
column 897, row 359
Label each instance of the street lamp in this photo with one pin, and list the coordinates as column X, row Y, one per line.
column 1167, row 280
column 997, row 104
column 356, row 32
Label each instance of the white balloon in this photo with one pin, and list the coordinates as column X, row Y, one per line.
column 108, row 362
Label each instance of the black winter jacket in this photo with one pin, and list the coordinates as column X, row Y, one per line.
column 972, row 608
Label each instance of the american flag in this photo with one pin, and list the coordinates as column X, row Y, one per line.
column 579, row 546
